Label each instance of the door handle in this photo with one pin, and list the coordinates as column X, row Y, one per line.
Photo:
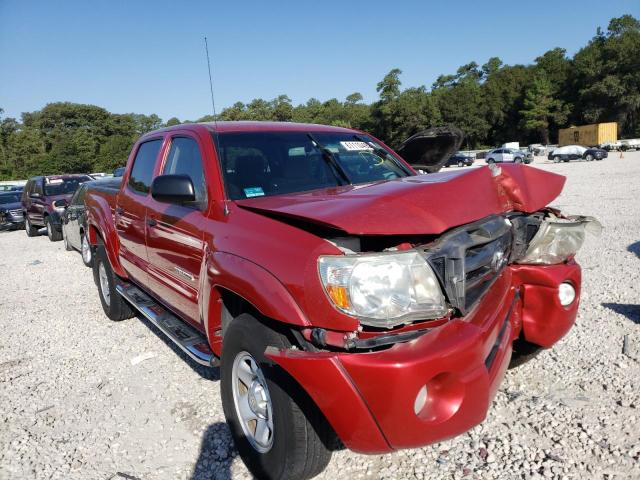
column 151, row 222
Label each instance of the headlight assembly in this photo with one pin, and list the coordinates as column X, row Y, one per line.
column 559, row 238
column 383, row 290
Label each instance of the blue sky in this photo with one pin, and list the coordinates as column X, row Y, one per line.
column 148, row 57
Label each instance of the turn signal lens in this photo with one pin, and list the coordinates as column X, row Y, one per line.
column 339, row 296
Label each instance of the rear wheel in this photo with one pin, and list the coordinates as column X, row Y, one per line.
column 31, row 230
column 589, row 158
column 491, row 160
column 278, row 430
column 518, row 160
column 85, row 250
column 460, row 164
column 53, row 234
column 114, row 306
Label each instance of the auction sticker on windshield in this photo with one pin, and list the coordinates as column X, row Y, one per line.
column 254, row 192
column 356, row 146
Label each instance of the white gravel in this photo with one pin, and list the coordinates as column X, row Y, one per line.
column 82, row 397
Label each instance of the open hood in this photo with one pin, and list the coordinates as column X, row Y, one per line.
column 430, row 149
column 421, row 204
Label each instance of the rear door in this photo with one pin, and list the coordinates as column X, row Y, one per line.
column 131, row 209
column 37, row 202
column 175, row 232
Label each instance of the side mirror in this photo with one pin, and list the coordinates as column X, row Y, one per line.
column 62, row 203
column 173, row 189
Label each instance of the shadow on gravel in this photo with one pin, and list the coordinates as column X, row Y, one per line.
column 635, row 248
column 632, row 312
column 216, row 454
column 208, row 373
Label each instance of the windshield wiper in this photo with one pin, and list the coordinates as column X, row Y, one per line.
column 382, row 152
column 330, row 159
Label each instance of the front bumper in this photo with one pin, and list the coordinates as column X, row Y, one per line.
column 369, row 398
column 11, row 221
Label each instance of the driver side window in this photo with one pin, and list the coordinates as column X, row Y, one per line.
column 184, row 159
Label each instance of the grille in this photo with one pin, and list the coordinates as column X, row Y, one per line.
column 16, row 213
column 467, row 260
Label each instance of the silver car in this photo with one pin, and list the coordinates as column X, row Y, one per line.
column 502, row 155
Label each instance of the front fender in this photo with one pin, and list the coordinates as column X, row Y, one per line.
column 253, row 283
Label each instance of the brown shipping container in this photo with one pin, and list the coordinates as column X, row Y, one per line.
column 589, row 135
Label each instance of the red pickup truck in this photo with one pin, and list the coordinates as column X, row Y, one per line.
column 344, row 295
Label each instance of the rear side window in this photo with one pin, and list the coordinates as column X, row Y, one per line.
column 142, row 170
column 184, row 159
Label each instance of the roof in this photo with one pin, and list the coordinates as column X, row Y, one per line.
column 252, row 126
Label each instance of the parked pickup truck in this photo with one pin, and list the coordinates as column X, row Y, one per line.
column 343, row 295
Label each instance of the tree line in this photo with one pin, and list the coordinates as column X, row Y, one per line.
column 492, row 103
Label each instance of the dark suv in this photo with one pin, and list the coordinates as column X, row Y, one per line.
column 43, row 202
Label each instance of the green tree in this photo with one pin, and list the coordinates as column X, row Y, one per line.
column 540, row 108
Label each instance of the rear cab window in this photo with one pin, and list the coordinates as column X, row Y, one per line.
column 143, row 166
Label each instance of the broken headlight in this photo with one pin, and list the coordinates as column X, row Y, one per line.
column 559, row 238
column 383, row 290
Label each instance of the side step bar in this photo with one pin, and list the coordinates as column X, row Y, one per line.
column 190, row 341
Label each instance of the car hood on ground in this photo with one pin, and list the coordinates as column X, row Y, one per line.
column 422, row 204
column 430, row 149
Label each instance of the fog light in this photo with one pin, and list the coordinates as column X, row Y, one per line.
column 421, row 400
column 566, row 294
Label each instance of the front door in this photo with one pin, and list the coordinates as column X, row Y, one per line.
column 507, row 156
column 36, row 203
column 174, row 232
column 131, row 209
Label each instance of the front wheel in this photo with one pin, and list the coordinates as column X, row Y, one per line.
column 460, row 164
column 114, row 306
column 589, row 158
column 31, row 230
column 518, row 160
column 491, row 160
column 556, row 159
column 278, row 430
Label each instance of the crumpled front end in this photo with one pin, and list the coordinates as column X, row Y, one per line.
column 440, row 384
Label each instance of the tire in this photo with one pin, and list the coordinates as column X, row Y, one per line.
column 460, row 164
column 517, row 160
column 296, row 444
column 491, row 160
column 115, row 307
column 53, row 234
column 86, row 251
column 523, row 352
column 589, row 158
column 556, row 159
column 67, row 245
column 31, row 230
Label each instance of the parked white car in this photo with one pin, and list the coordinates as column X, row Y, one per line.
column 502, row 155
column 630, row 144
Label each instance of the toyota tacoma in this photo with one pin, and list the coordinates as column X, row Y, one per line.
column 347, row 300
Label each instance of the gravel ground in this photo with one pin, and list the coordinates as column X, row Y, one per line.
column 76, row 403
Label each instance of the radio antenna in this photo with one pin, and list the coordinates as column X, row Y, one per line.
column 215, row 117
column 213, row 102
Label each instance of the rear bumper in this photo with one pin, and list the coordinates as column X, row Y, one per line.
column 370, row 398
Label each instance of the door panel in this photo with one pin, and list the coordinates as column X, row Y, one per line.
column 131, row 210
column 175, row 233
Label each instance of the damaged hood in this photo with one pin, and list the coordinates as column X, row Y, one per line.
column 430, row 149
column 422, row 204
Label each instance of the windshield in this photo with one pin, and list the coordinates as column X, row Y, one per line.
column 63, row 186
column 5, row 199
column 257, row 164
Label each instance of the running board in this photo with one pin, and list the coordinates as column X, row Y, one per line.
column 190, row 341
